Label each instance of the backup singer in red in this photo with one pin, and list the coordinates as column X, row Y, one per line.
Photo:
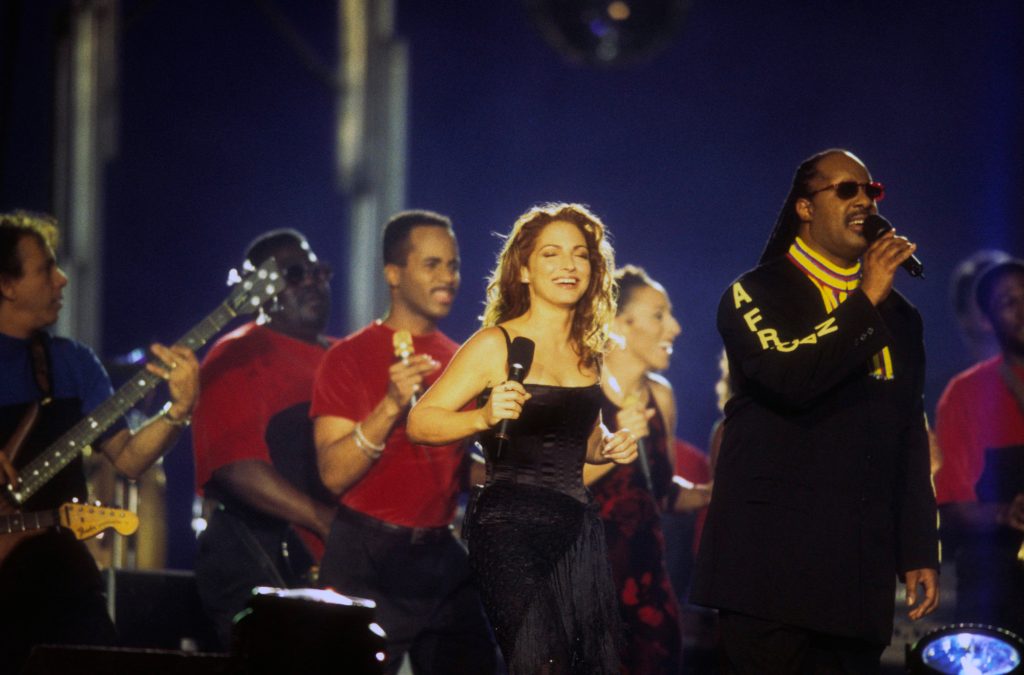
column 253, row 440
column 980, row 428
column 391, row 540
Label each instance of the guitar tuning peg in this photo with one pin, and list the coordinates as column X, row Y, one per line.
column 233, row 277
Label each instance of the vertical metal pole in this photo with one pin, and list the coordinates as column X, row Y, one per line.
column 84, row 138
column 370, row 142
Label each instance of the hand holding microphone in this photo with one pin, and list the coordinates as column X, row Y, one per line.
column 634, row 416
column 407, row 373
column 885, row 253
column 507, row 399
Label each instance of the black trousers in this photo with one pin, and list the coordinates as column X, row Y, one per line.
column 50, row 593
column 235, row 555
column 752, row 646
column 426, row 601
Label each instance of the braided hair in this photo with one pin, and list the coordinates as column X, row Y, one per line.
column 787, row 224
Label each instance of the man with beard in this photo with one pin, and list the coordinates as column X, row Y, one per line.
column 391, row 540
column 822, row 489
column 253, row 441
column 51, row 591
column 980, row 487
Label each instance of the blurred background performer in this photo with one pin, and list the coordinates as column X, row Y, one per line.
column 976, row 330
column 980, row 486
column 51, row 589
column 253, row 441
column 822, row 488
column 391, row 540
column 536, row 544
column 635, row 397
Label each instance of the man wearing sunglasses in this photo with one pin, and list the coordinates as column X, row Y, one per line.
column 255, row 461
column 391, row 540
column 822, row 488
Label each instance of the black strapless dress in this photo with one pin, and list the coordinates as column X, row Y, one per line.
column 537, row 545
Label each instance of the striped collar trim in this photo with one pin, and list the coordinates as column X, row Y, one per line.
column 822, row 270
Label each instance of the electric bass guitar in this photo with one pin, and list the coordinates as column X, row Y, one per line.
column 247, row 296
column 82, row 520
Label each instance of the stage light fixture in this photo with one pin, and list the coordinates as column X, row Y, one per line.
column 967, row 649
column 309, row 631
column 608, row 33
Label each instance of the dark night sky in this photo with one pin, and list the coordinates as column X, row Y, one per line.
column 687, row 157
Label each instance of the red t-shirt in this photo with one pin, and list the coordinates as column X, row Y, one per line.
column 410, row 485
column 977, row 411
column 692, row 464
column 255, row 386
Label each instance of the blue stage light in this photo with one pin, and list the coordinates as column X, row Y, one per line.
column 967, row 649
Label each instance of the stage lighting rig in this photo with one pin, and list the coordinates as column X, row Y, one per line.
column 608, row 33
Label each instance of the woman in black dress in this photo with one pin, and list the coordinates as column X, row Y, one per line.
column 535, row 541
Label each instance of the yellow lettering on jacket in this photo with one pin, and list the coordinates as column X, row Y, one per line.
column 753, row 317
column 788, row 346
column 827, row 326
column 739, row 296
column 769, row 338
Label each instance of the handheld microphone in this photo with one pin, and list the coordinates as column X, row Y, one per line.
column 641, row 450
column 401, row 341
column 520, row 358
column 874, row 227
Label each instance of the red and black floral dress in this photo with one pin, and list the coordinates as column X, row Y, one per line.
column 636, row 549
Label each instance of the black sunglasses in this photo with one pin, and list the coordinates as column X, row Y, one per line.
column 298, row 273
column 848, row 189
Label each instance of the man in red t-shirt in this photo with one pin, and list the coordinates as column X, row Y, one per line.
column 253, row 441
column 391, row 540
column 980, row 486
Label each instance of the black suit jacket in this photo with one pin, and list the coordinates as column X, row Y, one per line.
column 822, row 489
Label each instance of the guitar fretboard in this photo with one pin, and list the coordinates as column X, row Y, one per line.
column 23, row 522
column 39, row 471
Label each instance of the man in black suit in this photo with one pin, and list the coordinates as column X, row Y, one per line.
column 822, row 488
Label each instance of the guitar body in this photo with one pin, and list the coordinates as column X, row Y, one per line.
column 54, row 419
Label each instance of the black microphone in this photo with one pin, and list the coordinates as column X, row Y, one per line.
column 520, row 358
column 874, row 227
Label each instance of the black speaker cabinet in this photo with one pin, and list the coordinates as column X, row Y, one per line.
column 308, row 632
column 159, row 609
column 62, row 660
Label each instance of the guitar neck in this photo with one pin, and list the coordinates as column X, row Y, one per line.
column 40, row 470
column 24, row 522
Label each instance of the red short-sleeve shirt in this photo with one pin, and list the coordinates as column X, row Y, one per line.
column 411, row 485
column 977, row 411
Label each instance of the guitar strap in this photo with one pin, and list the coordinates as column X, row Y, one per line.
column 39, row 355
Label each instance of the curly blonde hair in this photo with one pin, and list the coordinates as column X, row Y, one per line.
column 508, row 297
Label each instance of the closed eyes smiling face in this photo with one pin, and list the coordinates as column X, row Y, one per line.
column 558, row 269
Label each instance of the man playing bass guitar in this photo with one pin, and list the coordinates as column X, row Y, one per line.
column 49, row 584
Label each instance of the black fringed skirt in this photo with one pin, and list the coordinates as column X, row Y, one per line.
column 542, row 568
